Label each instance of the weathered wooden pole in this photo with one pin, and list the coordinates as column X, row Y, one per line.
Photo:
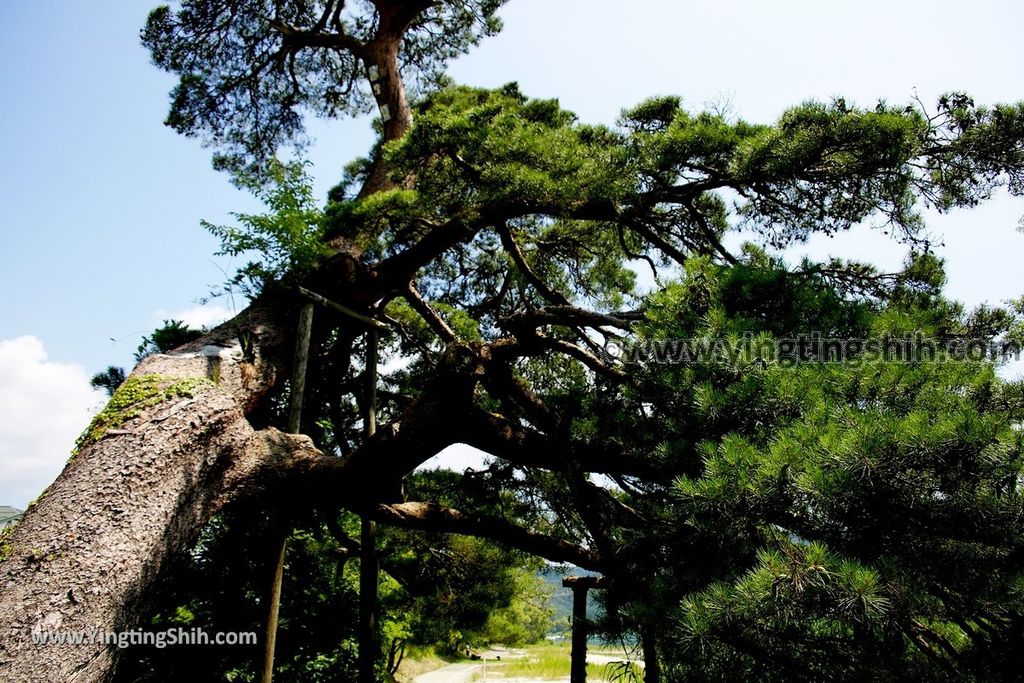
column 270, row 636
column 580, row 585
column 298, row 389
column 369, row 568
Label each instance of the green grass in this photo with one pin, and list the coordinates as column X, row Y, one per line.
column 548, row 661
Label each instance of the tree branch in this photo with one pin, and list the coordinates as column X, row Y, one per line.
column 525, row 447
column 570, row 316
column 426, row 311
column 297, row 39
column 433, row 517
column 512, row 248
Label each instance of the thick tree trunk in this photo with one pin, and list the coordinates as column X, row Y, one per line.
column 652, row 665
column 392, row 103
column 388, row 89
column 85, row 553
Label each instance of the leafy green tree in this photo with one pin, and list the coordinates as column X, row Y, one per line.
column 528, row 618
column 286, row 241
column 221, row 585
column 842, row 520
column 251, row 69
column 549, row 211
column 451, row 587
column 437, row 590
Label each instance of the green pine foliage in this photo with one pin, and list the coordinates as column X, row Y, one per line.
column 169, row 336
column 762, row 516
column 831, row 521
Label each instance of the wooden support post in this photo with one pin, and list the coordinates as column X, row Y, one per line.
column 369, row 568
column 270, row 637
column 580, row 585
column 368, row 574
column 298, row 389
column 578, row 672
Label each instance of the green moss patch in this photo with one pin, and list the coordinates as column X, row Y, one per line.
column 6, row 547
column 133, row 397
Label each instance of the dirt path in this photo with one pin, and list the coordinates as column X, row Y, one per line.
column 465, row 672
column 453, row 673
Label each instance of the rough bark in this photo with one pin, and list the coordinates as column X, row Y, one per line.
column 85, row 553
column 392, row 103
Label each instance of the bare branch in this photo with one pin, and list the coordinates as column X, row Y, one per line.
column 436, row 322
column 508, row 241
column 526, row 447
column 297, row 39
column 709, row 234
column 657, row 240
column 587, row 358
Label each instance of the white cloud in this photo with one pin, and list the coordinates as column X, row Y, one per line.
column 196, row 317
column 44, row 406
column 1013, row 370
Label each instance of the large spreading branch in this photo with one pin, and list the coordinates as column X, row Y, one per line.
column 531, row 448
column 433, row 517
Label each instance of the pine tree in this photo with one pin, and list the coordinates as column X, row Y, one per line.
column 768, row 519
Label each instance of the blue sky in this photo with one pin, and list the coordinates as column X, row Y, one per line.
column 101, row 203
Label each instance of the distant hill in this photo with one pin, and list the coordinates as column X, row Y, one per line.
column 561, row 598
column 9, row 515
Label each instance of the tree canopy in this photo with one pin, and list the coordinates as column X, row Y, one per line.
column 791, row 518
column 250, row 70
